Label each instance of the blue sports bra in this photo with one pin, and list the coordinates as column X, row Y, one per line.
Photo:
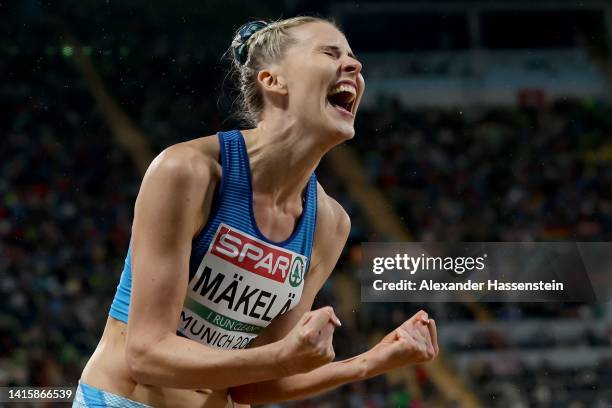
column 238, row 279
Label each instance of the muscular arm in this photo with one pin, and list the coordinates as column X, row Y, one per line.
column 305, row 385
column 332, row 230
column 413, row 342
column 170, row 203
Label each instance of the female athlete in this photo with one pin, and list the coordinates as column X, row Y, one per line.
column 232, row 239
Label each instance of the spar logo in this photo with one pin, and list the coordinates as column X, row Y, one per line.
column 297, row 272
column 256, row 256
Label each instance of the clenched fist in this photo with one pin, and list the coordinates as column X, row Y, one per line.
column 415, row 341
column 309, row 344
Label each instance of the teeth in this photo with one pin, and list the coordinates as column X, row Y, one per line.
column 344, row 88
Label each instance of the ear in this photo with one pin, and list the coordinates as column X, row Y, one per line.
column 272, row 82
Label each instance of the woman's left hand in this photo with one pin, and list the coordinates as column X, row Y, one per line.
column 414, row 341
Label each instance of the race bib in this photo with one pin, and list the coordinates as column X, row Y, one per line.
column 241, row 284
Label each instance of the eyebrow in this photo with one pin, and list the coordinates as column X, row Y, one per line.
column 338, row 49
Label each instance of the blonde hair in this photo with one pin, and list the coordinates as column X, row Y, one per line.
column 255, row 45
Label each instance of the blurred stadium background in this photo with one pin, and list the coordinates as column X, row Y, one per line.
column 482, row 121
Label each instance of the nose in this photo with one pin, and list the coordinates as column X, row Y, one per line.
column 351, row 65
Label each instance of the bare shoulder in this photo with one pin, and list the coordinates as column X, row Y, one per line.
column 333, row 222
column 331, row 232
column 194, row 160
column 180, row 183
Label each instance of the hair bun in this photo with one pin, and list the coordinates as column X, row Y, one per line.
column 240, row 47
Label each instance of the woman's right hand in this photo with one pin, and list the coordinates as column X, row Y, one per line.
column 309, row 344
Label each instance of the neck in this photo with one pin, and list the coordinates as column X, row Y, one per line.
column 282, row 158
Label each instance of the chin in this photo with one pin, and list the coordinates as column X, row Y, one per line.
column 349, row 133
column 344, row 132
column 336, row 131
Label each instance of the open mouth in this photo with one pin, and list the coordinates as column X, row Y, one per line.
column 342, row 97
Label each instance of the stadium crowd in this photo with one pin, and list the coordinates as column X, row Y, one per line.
column 65, row 213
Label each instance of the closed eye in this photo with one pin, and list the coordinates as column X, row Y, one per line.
column 331, row 51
